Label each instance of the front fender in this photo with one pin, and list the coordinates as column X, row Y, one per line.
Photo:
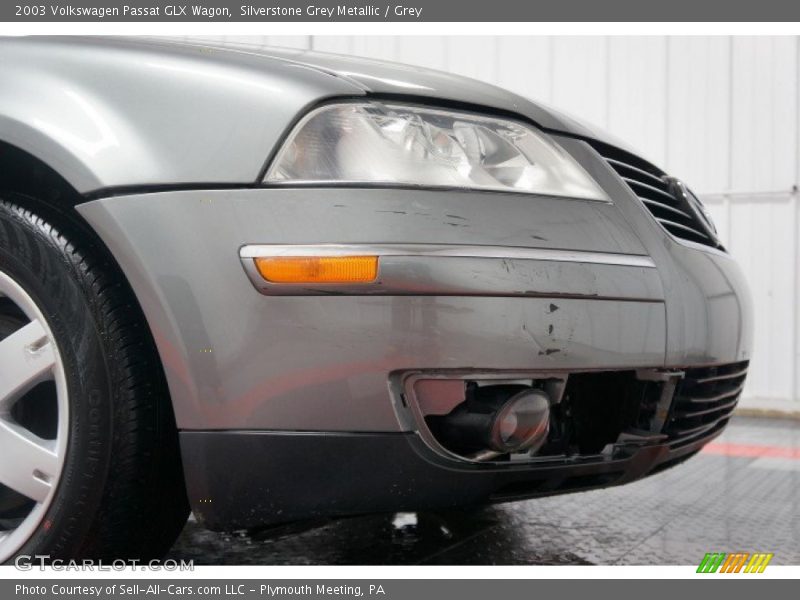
column 108, row 113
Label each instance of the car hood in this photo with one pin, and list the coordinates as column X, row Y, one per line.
column 390, row 79
column 201, row 112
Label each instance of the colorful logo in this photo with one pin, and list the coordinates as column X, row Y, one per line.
column 738, row 562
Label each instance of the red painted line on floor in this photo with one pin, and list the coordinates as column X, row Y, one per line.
column 752, row 451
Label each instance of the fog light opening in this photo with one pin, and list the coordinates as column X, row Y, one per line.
column 496, row 420
column 522, row 423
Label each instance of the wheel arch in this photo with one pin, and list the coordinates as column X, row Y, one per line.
column 25, row 172
column 123, row 441
column 40, row 188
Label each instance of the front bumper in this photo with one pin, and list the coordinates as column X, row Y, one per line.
column 240, row 361
column 293, row 476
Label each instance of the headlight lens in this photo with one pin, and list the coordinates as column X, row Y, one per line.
column 395, row 144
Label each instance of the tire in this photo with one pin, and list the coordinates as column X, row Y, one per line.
column 109, row 484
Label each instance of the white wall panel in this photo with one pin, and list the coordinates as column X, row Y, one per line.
column 719, row 112
column 280, row 41
column 472, row 56
column 580, row 77
column 338, row 44
column 637, row 94
column 795, row 396
column 375, row 46
column 292, row 41
column 698, row 111
column 428, row 51
column 762, row 238
column 764, row 158
column 525, row 66
column 764, row 119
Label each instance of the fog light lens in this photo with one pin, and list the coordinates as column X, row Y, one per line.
column 522, row 423
column 318, row 269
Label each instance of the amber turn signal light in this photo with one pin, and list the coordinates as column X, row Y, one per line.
column 318, row 269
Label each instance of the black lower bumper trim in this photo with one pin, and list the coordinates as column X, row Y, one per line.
column 250, row 479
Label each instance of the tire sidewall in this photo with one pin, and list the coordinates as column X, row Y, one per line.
column 38, row 259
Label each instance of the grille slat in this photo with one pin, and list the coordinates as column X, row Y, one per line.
column 660, row 206
column 665, row 196
column 669, row 225
column 717, row 397
column 733, row 375
column 688, row 434
column 652, row 186
column 704, row 401
column 706, row 411
column 642, row 174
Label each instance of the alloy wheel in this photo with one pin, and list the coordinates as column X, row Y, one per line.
column 34, row 417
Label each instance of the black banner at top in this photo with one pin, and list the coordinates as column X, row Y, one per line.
column 397, row 11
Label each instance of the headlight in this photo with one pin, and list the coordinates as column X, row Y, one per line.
column 395, row 144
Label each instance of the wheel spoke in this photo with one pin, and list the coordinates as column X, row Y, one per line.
column 26, row 358
column 34, row 423
column 28, row 464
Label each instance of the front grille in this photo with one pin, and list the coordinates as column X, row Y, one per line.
column 656, row 192
column 704, row 401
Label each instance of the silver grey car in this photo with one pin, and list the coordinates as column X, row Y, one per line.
column 270, row 285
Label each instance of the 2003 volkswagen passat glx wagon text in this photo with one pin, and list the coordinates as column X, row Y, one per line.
column 269, row 285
